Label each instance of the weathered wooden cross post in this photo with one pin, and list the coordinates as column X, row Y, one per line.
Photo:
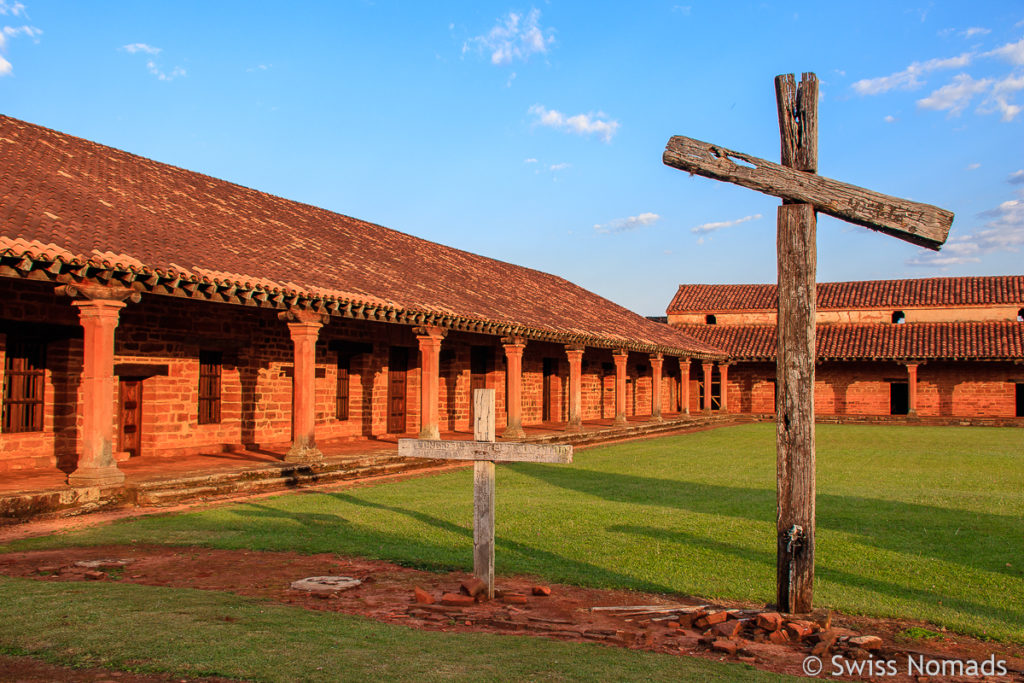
column 803, row 193
column 484, row 452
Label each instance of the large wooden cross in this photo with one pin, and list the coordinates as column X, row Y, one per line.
column 484, row 452
column 803, row 193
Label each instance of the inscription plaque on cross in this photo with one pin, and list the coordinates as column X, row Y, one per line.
column 803, row 193
column 484, row 452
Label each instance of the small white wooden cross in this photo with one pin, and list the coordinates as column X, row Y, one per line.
column 484, row 452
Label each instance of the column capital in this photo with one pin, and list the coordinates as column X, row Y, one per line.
column 303, row 316
column 430, row 331
column 88, row 291
column 620, row 353
column 656, row 357
column 912, row 363
column 574, row 353
column 513, row 341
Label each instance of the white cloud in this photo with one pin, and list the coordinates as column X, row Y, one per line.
column 683, row 9
column 531, row 160
column 163, row 75
column 141, row 47
column 955, row 96
column 583, row 124
column 151, row 65
column 976, row 31
column 973, row 167
column 559, row 167
column 1016, row 178
column 626, row 224
column 1011, row 52
column 15, row 9
column 513, row 38
column 889, row 118
column 718, row 225
column 1004, row 231
column 909, row 78
column 30, row 31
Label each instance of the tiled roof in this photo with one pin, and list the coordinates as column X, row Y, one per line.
column 951, row 340
column 934, row 291
column 65, row 195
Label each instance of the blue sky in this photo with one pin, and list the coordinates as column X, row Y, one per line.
column 533, row 133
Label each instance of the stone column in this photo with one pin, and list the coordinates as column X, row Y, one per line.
column 514, row 347
column 575, row 354
column 723, row 371
column 684, row 381
column 707, row 386
column 657, row 361
column 304, row 327
column 620, row 357
column 430, row 369
column 99, row 314
column 912, row 388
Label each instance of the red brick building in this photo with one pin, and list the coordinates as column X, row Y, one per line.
column 148, row 311
column 949, row 349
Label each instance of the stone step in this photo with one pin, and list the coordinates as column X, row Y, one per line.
column 227, row 487
column 265, row 471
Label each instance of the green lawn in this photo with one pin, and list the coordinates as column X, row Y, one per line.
column 187, row 632
column 913, row 522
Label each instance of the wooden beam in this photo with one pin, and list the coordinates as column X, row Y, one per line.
column 483, row 491
column 797, row 263
column 921, row 224
column 476, row 450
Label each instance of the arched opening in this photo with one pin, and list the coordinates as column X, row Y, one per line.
column 710, row 319
column 899, row 317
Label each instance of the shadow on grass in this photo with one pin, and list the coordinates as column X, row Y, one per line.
column 541, row 559
column 899, row 591
column 985, row 541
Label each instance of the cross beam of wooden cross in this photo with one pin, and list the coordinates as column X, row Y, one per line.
column 484, row 452
column 803, row 193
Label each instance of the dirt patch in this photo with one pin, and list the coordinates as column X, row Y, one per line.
column 388, row 593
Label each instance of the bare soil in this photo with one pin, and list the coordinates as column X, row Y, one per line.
column 387, row 594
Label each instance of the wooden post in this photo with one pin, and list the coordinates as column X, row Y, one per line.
column 657, row 361
column 797, row 261
column 684, row 384
column 484, row 452
column 514, row 382
column 620, row 357
column 912, row 389
column 483, row 491
column 575, row 355
column 707, row 386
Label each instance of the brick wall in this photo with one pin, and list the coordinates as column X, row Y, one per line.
column 944, row 389
column 164, row 337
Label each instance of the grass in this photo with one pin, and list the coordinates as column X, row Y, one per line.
column 203, row 633
column 913, row 522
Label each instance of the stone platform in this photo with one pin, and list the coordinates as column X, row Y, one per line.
column 157, row 482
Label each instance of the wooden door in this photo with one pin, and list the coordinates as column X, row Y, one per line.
column 398, row 367
column 130, row 418
column 480, row 360
column 548, row 404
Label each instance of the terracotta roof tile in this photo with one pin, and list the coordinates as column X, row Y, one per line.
column 936, row 291
column 953, row 340
column 69, row 195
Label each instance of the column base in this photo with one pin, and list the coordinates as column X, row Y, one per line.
column 657, row 418
column 620, row 421
column 513, row 432
column 304, row 454
column 96, row 476
column 430, row 433
column 574, row 426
